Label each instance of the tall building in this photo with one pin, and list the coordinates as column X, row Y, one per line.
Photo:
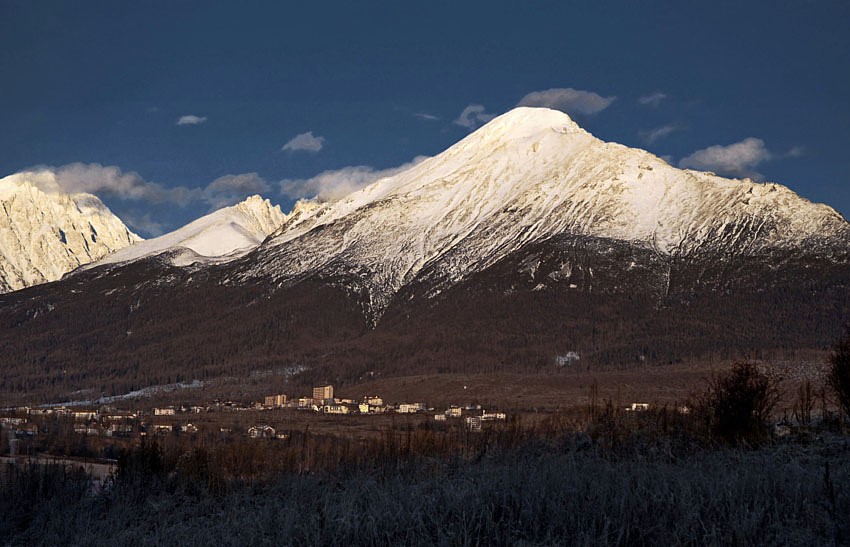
column 321, row 393
column 275, row 400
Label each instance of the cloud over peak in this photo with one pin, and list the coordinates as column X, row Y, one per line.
column 109, row 180
column 473, row 116
column 337, row 183
column 128, row 187
column 569, row 100
column 191, row 119
column 304, row 142
column 739, row 159
column 94, row 178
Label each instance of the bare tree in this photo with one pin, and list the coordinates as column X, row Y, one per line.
column 805, row 403
column 839, row 373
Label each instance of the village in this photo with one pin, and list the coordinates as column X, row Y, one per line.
column 256, row 420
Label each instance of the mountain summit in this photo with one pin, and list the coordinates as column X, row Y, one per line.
column 527, row 176
column 45, row 232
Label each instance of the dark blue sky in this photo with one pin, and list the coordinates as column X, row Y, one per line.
column 106, row 83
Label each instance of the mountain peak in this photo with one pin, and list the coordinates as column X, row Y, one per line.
column 262, row 209
column 45, row 232
column 530, row 118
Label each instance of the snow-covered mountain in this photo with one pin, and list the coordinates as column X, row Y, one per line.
column 525, row 177
column 45, row 232
column 222, row 235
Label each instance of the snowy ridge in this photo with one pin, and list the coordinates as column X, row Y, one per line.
column 222, row 235
column 526, row 176
column 45, row 233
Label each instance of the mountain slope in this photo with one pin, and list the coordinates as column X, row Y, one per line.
column 527, row 176
column 223, row 234
column 45, row 233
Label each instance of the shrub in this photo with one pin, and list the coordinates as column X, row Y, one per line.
column 838, row 377
column 739, row 404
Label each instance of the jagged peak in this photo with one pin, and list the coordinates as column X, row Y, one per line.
column 46, row 232
column 257, row 202
column 261, row 209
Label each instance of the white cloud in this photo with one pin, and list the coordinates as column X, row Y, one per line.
column 425, row 116
column 231, row 189
column 472, row 116
column 305, row 142
column 569, row 100
column 94, row 178
column 651, row 135
column 739, row 159
column 110, row 180
column 653, row 99
column 338, row 183
column 191, row 119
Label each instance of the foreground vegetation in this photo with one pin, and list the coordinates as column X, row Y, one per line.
column 716, row 474
column 566, row 490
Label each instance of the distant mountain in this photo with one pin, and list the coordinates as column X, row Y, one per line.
column 525, row 241
column 222, row 235
column 45, row 233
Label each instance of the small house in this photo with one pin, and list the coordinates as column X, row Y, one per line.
column 637, row 407
column 454, row 412
column 336, row 409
